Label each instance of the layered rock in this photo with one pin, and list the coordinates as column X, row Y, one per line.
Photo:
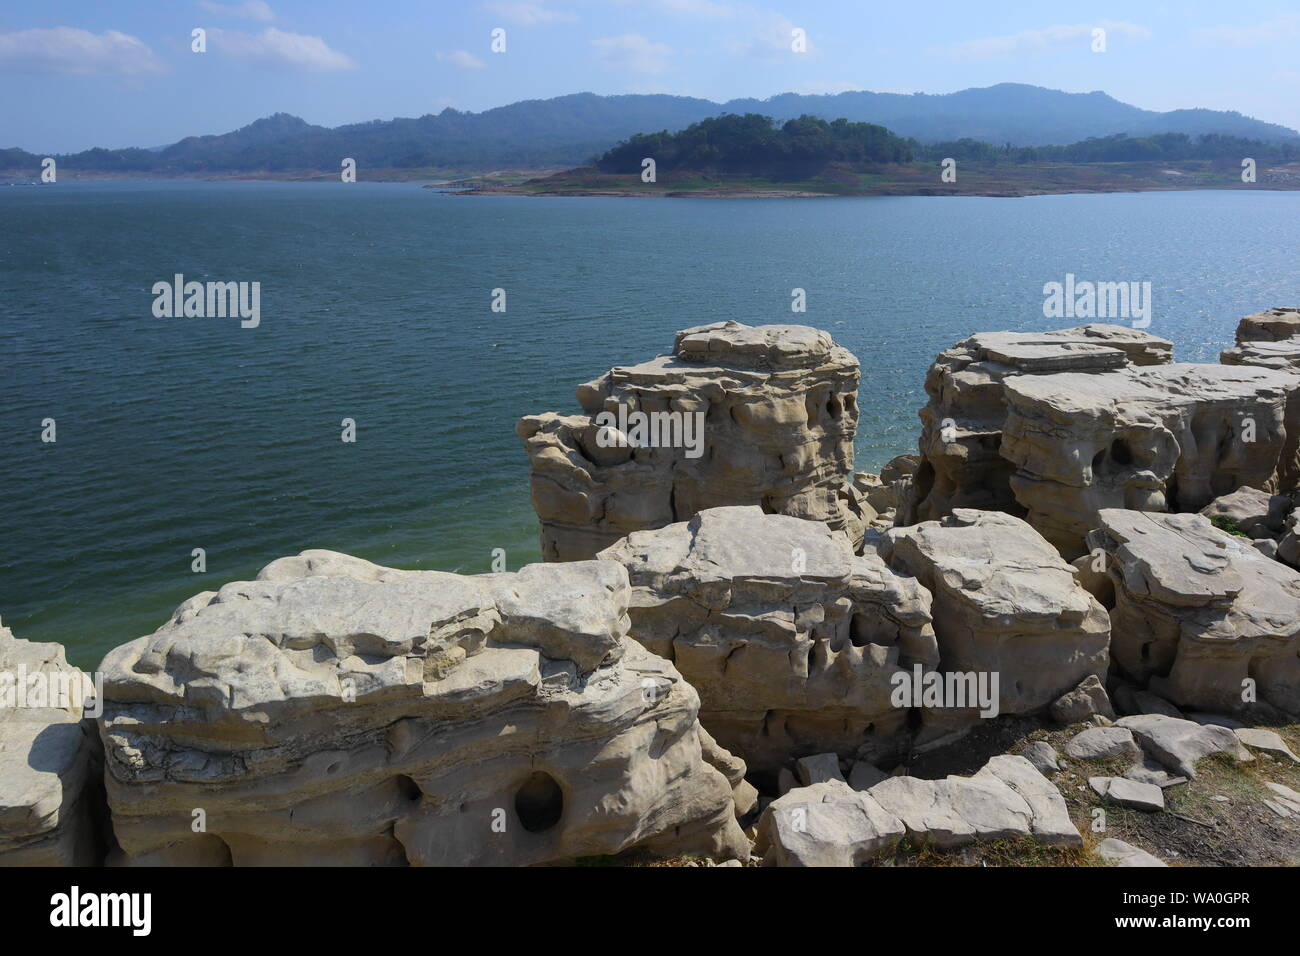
column 777, row 407
column 961, row 463
column 790, row 639
column 1165, row 438
column 1004, row 603
column 1270, row 339
column 830, row 824
column 1199, row 616
column 49, row 759
column 337, row 712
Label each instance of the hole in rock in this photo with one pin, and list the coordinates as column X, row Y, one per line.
column 539, row 802
column 1120, row 452
column 408, row 788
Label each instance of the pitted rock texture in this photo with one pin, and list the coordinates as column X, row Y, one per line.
column 1196, row 612
column 49, row 760
column 790, row 639
column 338, row 712
column 961, row 465
column 1004, row 602
column 780, row 411
column 1166, row 438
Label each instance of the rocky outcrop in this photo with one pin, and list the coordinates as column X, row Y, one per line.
column 1168, row 438
column 961, row 461
column 337, row 712
column 769, row 412
column 50, row 794
column 1199, row 616
column 830, row 824
column 1058, row 426
column 1270, row 339
column 790, row 639
column 1005, row 604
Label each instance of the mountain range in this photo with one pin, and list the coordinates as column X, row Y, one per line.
column 570, row 130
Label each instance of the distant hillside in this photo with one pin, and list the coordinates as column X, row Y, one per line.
column 569, row 130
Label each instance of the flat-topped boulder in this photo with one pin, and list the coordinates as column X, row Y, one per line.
column 1271, row 325
column 337, row 712
column 49, row 759
column 1005, row 603
column 736, row 415
column 1199, row 616
column 1163, row 438
column 961, row 464
column 790, row 639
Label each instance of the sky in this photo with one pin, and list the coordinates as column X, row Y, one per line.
column 115, row 73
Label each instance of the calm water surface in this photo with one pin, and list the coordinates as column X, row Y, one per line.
column 175, row 434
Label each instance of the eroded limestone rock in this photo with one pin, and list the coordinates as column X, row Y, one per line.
column 779, row 407
column 49, row 759
column 961, row 462
column 790, row 639
column 337, row 712
column 1004, row 602
column 1199, row 615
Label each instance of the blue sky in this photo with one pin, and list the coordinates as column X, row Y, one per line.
column 80, row 73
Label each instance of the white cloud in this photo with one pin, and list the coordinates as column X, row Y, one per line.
column 462, row 59
column 78, row 52
column 527, row 13
column 1039, row 41
column 634, row 52
column 277, row 48
column 1284, row 27
column 249, row 10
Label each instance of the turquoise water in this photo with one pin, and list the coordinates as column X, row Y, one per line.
column 184, row 433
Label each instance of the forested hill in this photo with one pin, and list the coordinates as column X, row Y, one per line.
column 755, row 145
column 568, row 130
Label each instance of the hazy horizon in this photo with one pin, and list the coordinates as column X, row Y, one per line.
column 86, row 75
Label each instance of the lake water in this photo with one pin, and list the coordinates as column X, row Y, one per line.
column 183, row 433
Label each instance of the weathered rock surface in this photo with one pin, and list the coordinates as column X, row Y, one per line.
column 1004, row 602
column 1084, row 701
column 1101, row 743
column 1269, row 741
column 1166, row 438
column 1256, row 513
column 337, row 712
column 1179, row 744
column 1270, row 339
column 1198, row 612
column 830, row 824
column 1120, row 853
column 779, row 412
column 49, row 759
column 790, row 639
column 1043, row 756
column 1128, row 793
column 827, row 824
column 961, row 463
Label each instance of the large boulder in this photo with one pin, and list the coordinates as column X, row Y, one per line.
column 50, row 795
column 1168, row 438
column 1270, row 339
column 961, row 463
column 771, row 412
column 1199, row 616
column 790, row 639
column 1005, row 604
column 337, row 712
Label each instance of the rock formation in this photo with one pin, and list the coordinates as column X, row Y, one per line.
column 1056, row 426
column 1197, row 613
column 337, row 712
column 829, row 824
column 49, row 759
column 1270, row 339
column 961, row 462
column 1004, row 603
column 776, row 408
column 790, row 639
